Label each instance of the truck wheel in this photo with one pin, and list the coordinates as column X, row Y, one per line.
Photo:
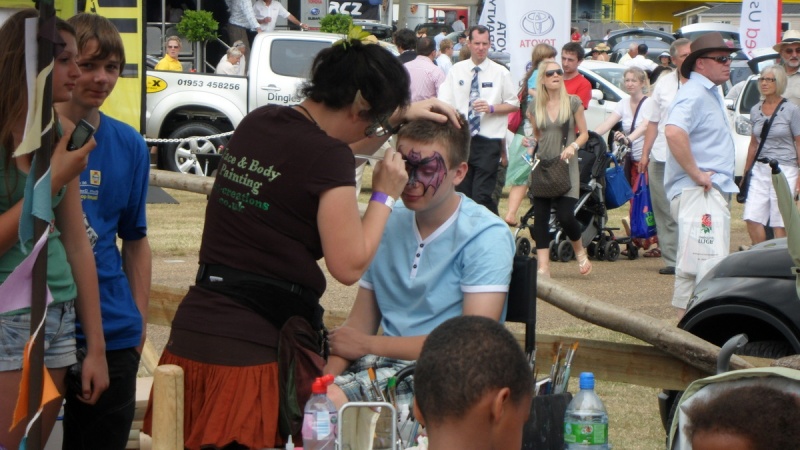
column 181, row 157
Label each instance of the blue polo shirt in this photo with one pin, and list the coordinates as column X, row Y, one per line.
column 699, row 110
column 420, row 283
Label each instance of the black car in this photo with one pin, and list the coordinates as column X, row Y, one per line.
column 657, row 41
column 752, row 292
column 434, row 28
column 380, row 30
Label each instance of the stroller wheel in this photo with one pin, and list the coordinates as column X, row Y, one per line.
column 553, row 251
column 592, row 250
column 633, row 251
column 565, row 251
column 523, row 246
column 611, row 250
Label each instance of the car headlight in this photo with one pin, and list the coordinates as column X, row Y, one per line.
column 743, row 127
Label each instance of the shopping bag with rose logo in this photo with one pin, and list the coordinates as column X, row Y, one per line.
column 703, row 229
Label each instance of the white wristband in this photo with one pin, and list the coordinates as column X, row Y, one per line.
column 383, row 198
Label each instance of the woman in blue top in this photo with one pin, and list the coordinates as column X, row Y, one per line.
column 71, row 275
column 518, row 167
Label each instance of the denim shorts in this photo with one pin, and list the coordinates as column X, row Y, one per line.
column 59, row 338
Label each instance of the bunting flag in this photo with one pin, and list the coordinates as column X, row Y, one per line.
column 16, row 291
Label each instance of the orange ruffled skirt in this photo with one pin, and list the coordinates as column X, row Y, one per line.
column 225, row 404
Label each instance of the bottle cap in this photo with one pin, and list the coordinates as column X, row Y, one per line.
column 320, row 385
column 587, row 380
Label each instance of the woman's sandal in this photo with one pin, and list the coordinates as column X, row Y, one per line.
column 584, row 265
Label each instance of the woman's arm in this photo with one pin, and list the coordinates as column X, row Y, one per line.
column 348, row 242
column 609, row 123
column 64, row 166
column 69, row 217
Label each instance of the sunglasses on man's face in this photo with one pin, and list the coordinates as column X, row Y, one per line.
column 173, row 46
column 791, row 50
column 550, row 73
column 719, row 59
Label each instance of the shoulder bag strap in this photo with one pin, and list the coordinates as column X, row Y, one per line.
column 636, row 114
column 765, row 131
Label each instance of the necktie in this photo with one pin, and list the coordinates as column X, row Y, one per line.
column 474, row 117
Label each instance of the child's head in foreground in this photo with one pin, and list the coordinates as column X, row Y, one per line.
column 745, row 418
column 472, row 368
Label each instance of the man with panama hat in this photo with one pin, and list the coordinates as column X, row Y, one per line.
column 601, row 51
column 702, row 151
column 789, row 49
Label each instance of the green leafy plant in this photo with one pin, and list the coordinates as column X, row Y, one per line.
column 198, row 26
column 336, row 23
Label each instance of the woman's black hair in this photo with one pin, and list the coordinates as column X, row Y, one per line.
column 342, row 70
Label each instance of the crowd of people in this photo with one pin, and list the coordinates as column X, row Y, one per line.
column 429, row 249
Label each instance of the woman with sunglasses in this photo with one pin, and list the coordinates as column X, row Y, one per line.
column 518, row 168
column 775, row 135
column 285, row 197
column 551, row 109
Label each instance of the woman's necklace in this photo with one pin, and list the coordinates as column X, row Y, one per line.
column 310, row 117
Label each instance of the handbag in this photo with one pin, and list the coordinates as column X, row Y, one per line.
column 618, row 190
column 744, row 187
column 643, row 221
column 515, row 118
column 703, row 229
column 551, row 176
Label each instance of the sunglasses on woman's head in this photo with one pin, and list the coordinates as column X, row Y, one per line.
column 550, row 73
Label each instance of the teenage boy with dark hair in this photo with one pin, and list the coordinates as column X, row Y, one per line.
column 442, row 255
column 113, row 193
column 472, row 386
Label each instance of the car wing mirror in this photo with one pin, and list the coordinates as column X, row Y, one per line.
column 730, row 104
column 597, row 94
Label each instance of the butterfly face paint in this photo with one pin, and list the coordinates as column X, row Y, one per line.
column 430, row 171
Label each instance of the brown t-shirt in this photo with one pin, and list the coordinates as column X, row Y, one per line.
column 262, row 217
column 262, row 214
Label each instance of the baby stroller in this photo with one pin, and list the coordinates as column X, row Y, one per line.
column 779, row 378
column 590, row 210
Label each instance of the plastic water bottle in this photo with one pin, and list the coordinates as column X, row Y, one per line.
column 586, row 420
column 320, row 417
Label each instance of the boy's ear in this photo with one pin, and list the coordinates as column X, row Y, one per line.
column 460, row 173
column 500, row 404
column 417, row 413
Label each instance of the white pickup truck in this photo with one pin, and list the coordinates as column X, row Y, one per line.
column 181, row 105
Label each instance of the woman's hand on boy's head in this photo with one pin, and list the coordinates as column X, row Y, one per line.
column 431, row 109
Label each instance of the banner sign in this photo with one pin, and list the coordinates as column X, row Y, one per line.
column 516, row 27
column 359, row 10
column 760, row 25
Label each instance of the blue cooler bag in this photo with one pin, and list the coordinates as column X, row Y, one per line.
column 618, row 190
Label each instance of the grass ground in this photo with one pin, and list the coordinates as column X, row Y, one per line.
column 175, row 232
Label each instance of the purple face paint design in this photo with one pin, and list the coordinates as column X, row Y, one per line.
column 430, row 171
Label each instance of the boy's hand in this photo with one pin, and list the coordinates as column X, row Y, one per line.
column 94, row 377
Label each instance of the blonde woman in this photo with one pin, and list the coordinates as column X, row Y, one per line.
column 782, row 143
column 550, row 110
column 518, row 168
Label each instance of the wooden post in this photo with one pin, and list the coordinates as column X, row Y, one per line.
column 168, row 408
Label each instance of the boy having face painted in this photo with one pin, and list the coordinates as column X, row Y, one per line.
column 442, row 255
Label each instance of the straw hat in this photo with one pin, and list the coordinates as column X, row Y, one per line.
column 790, row 37
column 601, row 47
column 706, row 43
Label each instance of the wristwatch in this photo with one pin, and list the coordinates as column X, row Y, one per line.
column 382, row 197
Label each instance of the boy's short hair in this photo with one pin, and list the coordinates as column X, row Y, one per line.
column 463, row 359
column 92, row 26
column 456, row 140
column 766, row 416
column 445, row 44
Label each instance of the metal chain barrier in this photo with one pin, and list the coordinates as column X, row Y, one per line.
column 191, row 138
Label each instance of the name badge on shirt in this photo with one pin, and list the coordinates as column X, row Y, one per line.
column 486, row 84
